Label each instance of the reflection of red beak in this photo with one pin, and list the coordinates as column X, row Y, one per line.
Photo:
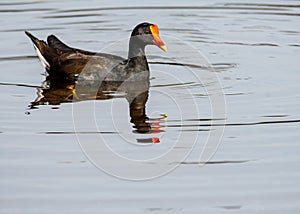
column 157, row 40
column 155, row 140
column 156, row 130
column 156, row 127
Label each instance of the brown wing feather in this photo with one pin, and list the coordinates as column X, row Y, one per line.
column 65, row 61
column 55, row 43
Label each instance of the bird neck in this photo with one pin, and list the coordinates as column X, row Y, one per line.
column 137, row 65
column 136, row 48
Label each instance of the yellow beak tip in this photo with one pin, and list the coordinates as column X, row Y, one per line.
column 164, row 48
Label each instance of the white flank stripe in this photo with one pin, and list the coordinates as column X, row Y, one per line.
column 43, row 60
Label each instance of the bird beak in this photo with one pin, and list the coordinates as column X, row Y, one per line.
column 157, row 40
column 163, row 47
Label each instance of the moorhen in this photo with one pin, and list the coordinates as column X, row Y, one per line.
column 64, row 61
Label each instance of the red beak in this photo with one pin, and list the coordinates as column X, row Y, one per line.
column 157, row 40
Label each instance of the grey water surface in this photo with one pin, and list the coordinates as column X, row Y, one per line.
column 254, row 51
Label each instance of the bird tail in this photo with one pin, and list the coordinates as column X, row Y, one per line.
column 33, row 38
column 41, row 48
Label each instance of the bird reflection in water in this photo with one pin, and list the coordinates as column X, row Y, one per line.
column 55, row 91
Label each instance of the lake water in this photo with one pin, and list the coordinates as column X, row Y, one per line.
column 225, row 94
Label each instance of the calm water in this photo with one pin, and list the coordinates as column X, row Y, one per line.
column 254, row 49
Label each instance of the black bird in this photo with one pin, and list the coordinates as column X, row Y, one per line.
column 67, row 62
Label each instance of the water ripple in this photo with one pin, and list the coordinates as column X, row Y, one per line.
column 16, row 58
column 236, row 43
column 183, row 124
column 25, row 10
column 213, row 162
column 20, row 3
column 169, row 8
